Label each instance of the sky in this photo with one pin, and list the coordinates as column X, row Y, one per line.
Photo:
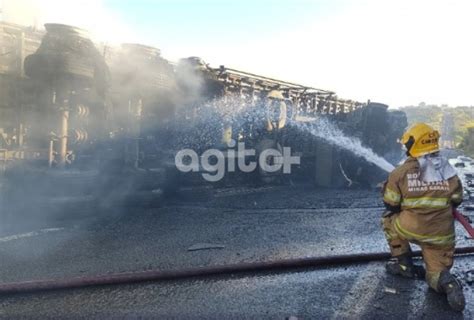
column 396, row 52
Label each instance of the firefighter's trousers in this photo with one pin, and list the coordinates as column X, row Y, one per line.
column 437, row 258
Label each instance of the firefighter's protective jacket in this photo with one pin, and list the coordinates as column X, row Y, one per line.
column 426, row 208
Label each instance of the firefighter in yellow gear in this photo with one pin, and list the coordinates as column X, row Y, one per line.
column 419, row 196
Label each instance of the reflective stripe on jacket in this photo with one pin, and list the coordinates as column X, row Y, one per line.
column 431, row 239
column 426, row 213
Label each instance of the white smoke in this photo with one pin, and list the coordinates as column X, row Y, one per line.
column 91, row 15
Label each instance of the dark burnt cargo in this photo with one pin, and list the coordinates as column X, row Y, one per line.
column 73, row 110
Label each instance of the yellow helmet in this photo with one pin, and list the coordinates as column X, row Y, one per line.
column 420, row 139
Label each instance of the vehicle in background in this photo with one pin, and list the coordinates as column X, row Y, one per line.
column 465, row 168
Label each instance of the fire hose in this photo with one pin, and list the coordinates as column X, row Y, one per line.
column 464, row 222
column 219, row 270
column 161, row 275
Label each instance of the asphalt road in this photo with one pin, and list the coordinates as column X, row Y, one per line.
column 244, row 225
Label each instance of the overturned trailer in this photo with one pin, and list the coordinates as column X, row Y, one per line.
column 102, row 116
column 267, row 113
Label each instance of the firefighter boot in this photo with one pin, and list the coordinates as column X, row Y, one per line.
column 403, row 266
column 448, row 284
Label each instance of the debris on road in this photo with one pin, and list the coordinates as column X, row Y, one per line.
column 390, row 290
column 205, row 246
column 470, row 277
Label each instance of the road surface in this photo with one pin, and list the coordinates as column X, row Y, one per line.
column 228, row 226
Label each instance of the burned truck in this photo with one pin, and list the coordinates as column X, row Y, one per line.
column 266, row 113
column 54, row 125
column 78, row 117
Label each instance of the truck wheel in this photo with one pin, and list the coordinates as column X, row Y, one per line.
column 265, row 176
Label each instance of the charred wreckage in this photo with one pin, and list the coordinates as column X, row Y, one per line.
column 80, row 117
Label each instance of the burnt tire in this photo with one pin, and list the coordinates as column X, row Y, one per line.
column 50, row 65
column 264, row 176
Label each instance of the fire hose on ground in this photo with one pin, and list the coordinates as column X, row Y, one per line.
column 464, row 222
column 219, row 270
column 161, row 275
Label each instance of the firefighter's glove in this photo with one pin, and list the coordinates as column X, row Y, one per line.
column 456, row 200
